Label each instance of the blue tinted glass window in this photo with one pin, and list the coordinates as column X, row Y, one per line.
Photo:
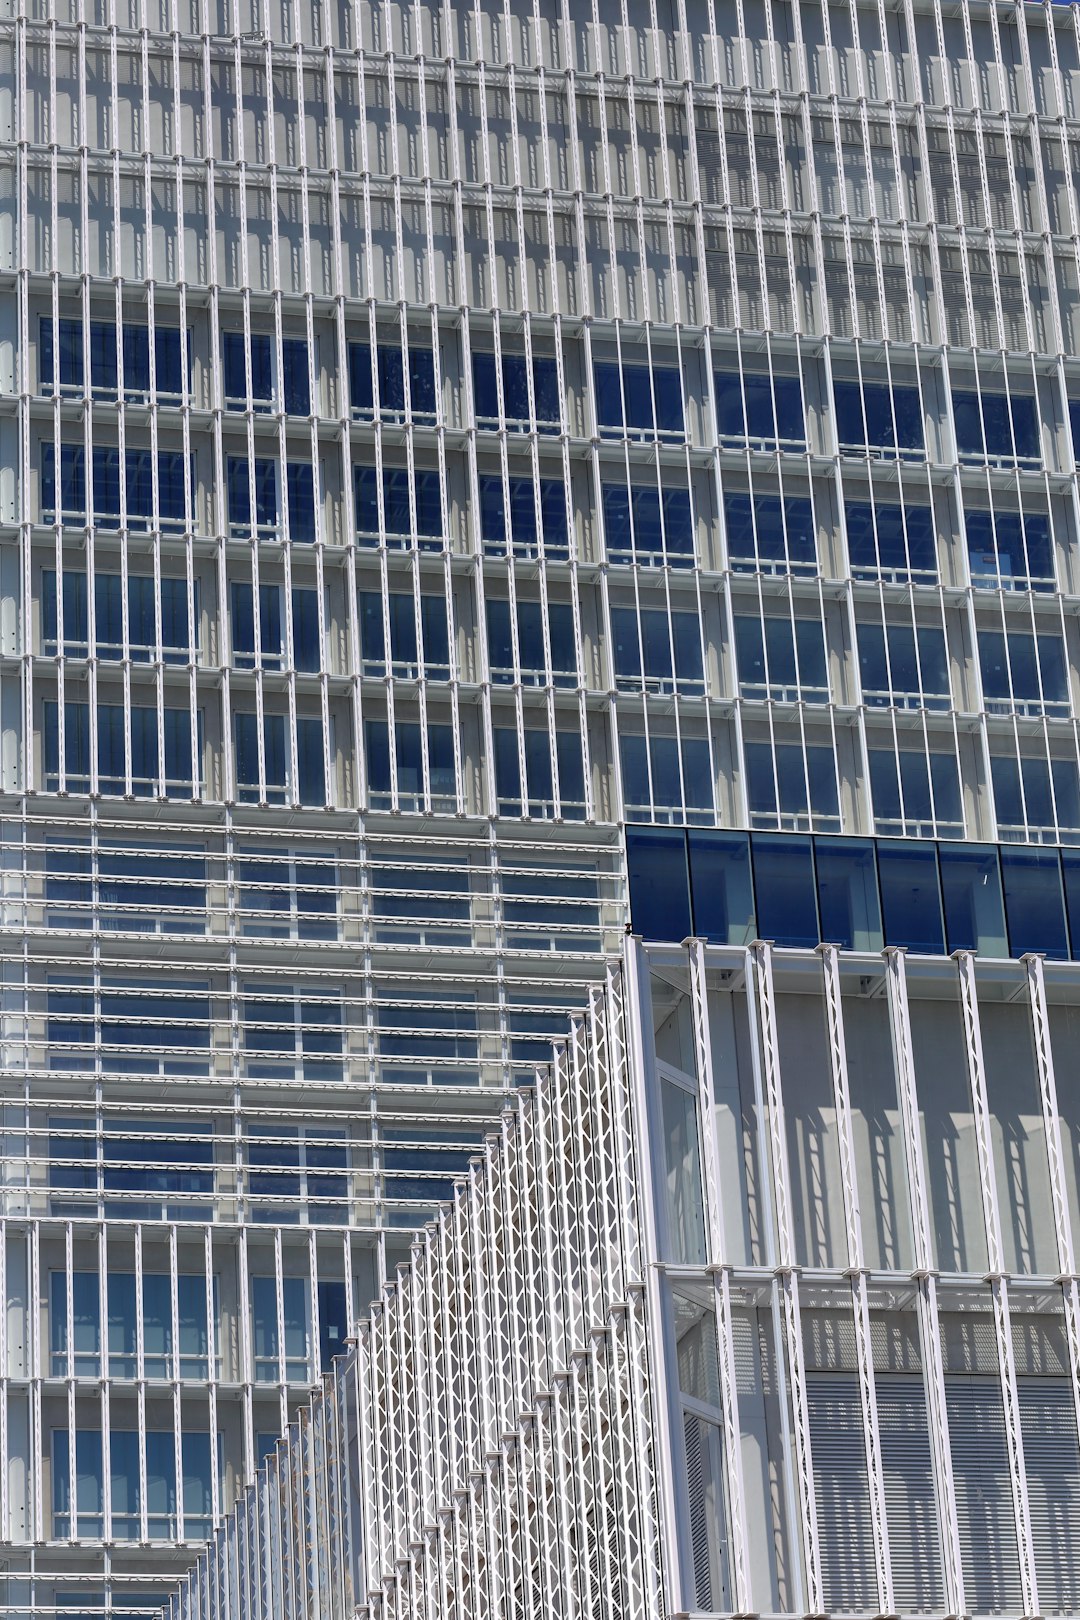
column 429, row 521
column 784, row 889
column 172, row 500
column 515, row 381
column 996, row 425
column 645, row 532
column 721, row 887
column 361, row 385
column 262, row 369
column 234, row 365
column 136, row 346
column 310, row 761
column 638, row 397
column 607, row 382
column 971, row 890
column 104, row 366
column 850, row 424
column 175, row 628
column 139, row 485
column 485, row 386
column 75, row 612
column 377, row 755
column 76, row 746
column 106, row 465
column 246, row 733
column 72, row 481
column 507, row 769
column 538, row 768
column 238, row 486
column 295, row 378
column 436, row 633
column 168, row 362
column 421, row 372
column 546, row 395
column 142, row 614
column 770, row 530
column 522, row 512
column 372, row 629
column 109, row 615
column 305, row 631
column 667, row 399
column 1070, row 867
column 910, row 895
column 876, row 416
column 890, row 539
column 366, row 500
column 759, row 407
column 243, row 622
column 1006, row 549
column 571, row 773
column 659, row 883
column 70, row 350
column 300, row 477
column 848, row 903
column 1034, row 902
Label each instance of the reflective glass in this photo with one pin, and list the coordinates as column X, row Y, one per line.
column 300, row 476
column 1009, row 550
column 295, row 378
column 1070, row 870
column 847, row 888
column 910, row 895
column 762, row 407
column 770, row 532
column 971, row 890
column 784, row 889
column 996, row 425
column 896, row 540
column 639, row 399
column 1034, row 902
column 876, row 416
column 722, row 887
column 658, row 876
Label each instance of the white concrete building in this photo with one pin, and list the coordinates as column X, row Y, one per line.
column 472, row 474
column 764, row 1302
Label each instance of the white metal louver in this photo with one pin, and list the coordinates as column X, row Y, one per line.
column 984, row 1497
column 1052, row 1464
column 842, row 1492
column 705, row 1502
column 911, row 1508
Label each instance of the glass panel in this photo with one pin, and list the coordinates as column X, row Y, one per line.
column 848, row 894
column 813, row 1148
column 910, row 896
column 877, row 1129
column 784, row 887
column 1070, row 864
column 659, row 883
column 722, row 887
column 974, row 908
column 1034, row 903
column 939, row 1050
column 1019, row 1141
column 682, row 1157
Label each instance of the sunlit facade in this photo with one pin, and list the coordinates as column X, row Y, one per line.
column 764, row 1302
column 471, row 475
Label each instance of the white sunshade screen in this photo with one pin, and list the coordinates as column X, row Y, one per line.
column 984, row 1497
column 1052, row 1464
column 845, row 1536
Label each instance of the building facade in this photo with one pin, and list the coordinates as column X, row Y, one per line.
column 465, row 469
column 764, row 1302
